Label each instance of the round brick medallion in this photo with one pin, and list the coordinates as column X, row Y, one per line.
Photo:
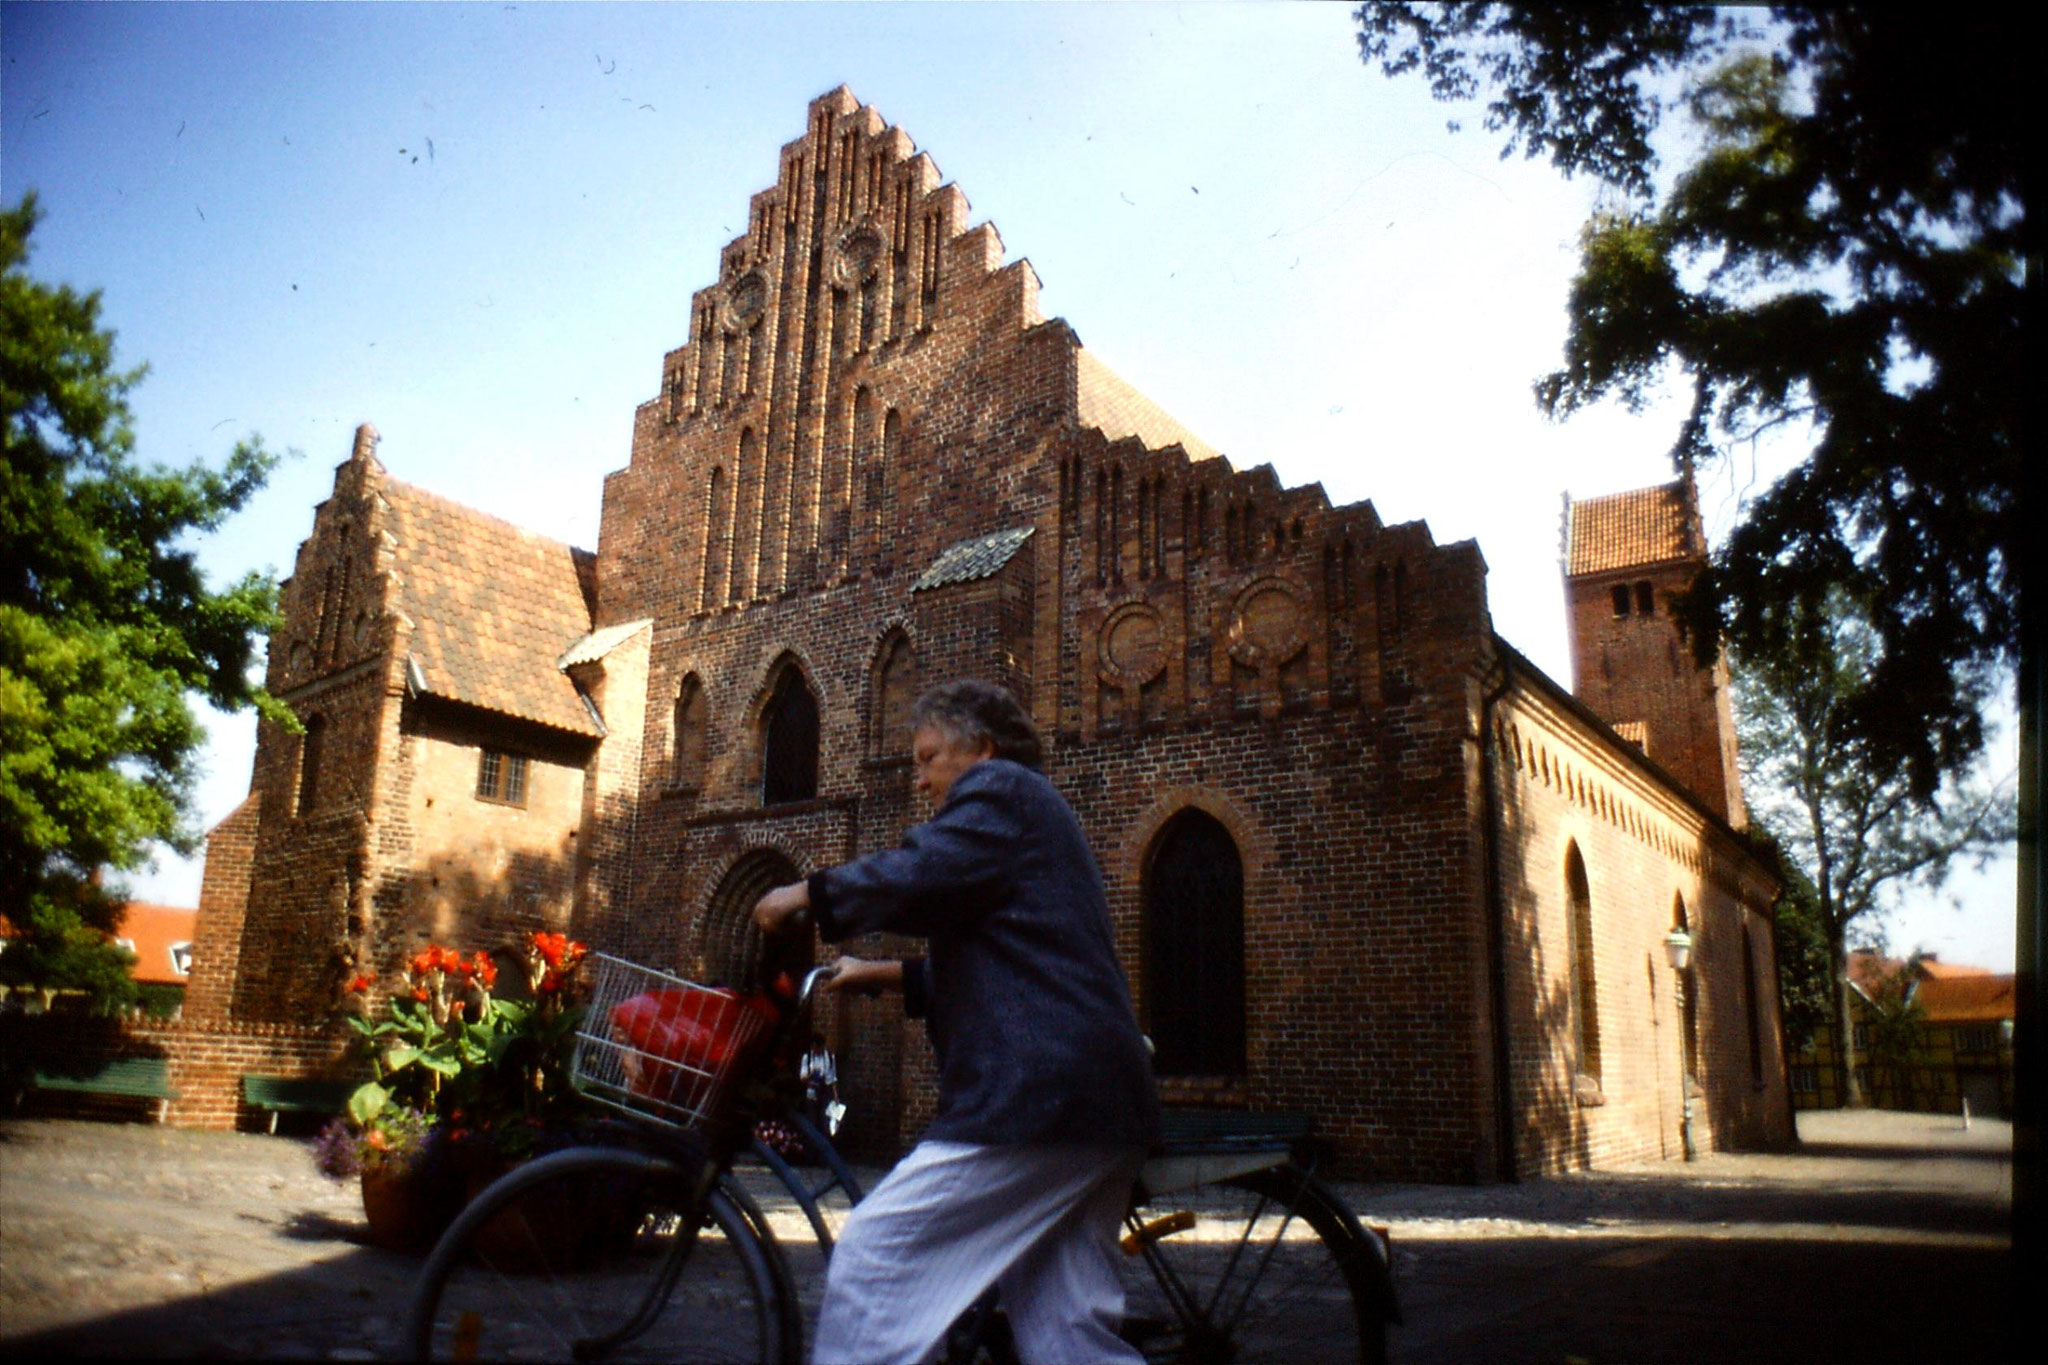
column 1133, row 646
column 746, row 301
column 857, row 256
column 1266, row 629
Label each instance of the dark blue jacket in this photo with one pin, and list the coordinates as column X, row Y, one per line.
column 1028, row 1009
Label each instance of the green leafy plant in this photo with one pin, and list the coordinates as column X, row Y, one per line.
column 480, row 1066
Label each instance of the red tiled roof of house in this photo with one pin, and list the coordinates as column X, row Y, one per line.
column 1866, row 969
column 1934, row 968
column 1629, row 530
column 1965, row 999
column 493, row 606
column 154, row 930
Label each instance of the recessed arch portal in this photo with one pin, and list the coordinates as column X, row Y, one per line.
column 731, row 948
column 1194, row 948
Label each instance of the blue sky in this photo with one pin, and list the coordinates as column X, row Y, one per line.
column 478, row 226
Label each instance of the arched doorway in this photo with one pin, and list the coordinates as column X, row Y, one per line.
column 731, row 950
column 1194, row 948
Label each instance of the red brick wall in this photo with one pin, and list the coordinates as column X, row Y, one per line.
column 1644, row 848
column 1638, row 668
column 223, row 903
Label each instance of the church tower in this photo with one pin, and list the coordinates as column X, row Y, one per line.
column 1626, row 556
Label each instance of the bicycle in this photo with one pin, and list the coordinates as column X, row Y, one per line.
column 619, row 1251
column 1234, row 1249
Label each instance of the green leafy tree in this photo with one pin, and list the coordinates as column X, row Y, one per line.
column 1843, row 254
column 1854, row 826
column 1898, row 1032
column 1806, row 995
column 106, row 626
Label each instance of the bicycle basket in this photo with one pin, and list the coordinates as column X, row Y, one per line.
column 661, row 1047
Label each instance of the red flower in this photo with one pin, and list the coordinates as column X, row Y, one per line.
column 421, row 994
column 485, row 969
column 361, row 983
column 549, row 946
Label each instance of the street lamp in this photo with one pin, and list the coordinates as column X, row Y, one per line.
column 1678, row 950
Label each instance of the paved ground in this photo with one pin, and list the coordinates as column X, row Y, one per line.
column 1886, row 1236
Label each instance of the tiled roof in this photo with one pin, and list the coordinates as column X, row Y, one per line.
column 972, row 559
column 1641, row 527
column 1110, row 405
column 153, row 929
column 1933, row 967
column 493, row 606
column 1965, row 999
column 599, row 643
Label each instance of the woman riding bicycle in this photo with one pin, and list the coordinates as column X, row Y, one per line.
column 1046, row 1104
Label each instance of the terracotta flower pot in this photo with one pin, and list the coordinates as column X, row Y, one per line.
column 563, row 1225
column 409, row 1206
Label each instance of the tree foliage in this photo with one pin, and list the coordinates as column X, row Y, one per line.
column 1844, row 253
column 106, row 622
column 1852, row 824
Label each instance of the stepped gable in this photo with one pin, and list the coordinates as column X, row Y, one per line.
column 1637, row 529
column 492, row 606
column 848, row 252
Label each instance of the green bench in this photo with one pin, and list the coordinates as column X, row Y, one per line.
column 287, row 1095
column 138, row 1078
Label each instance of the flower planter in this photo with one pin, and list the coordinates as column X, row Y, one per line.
column 409, row 1206
column 562, row 1225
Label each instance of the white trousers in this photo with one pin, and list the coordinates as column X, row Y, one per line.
column 954, row 1218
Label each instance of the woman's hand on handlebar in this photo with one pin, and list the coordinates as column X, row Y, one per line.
column 864, row 976
column 786, row 907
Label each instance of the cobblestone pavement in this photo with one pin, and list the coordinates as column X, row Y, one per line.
column 140, row 1241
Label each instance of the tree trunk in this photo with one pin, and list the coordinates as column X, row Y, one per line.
column 1845, row 1027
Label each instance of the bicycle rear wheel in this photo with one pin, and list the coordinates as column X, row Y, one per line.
column 1265, row 1267
column 597, row 1254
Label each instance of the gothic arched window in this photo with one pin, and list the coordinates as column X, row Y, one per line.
column 1194, row 948
column 789, row 748
column 1585, row 996
column 686, row 741
column 896, row 682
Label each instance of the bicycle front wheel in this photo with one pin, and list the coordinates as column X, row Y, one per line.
column 1264, row 1267
column 598, row 1254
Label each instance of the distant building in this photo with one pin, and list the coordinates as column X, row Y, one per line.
column 1954, row 1043
column 1363, row 857
column 160, row 937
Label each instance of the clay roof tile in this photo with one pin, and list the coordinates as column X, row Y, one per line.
column 1641, row 527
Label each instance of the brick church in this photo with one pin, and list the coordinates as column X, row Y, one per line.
column 1364, row 859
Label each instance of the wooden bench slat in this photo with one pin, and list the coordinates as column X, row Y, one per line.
column 145, row 1078
column 296, row 1094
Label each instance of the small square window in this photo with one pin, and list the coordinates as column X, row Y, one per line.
column 181, row 958
column 1645, row 599
column 501, row 777
column 1621, row 599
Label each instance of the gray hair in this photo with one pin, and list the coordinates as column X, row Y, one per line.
column 969, row 711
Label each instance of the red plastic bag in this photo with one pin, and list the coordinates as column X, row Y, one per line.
column 690, row 1036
